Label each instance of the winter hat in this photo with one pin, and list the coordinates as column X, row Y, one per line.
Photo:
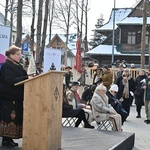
column 68, row 67
column 100, row 87
column 114, row 87
column 105, row 66
column 75, row 83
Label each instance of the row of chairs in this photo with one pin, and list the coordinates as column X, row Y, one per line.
column 103, row 125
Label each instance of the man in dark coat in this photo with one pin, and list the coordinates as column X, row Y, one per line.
column 68, row 111
column 68, row 76
column 139, row 92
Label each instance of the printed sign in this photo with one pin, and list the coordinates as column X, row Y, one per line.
column 52, row 59
column 4, row 41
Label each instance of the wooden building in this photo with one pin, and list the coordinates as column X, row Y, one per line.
column 128, row 30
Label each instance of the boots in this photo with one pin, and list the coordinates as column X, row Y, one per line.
column 139, row 115
column 8, row 142
column 87, row 125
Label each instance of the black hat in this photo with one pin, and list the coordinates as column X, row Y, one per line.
column 75, row 83
column 98, row 68
column 105, row 66
column 68, row 67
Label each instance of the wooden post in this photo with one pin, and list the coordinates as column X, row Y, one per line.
column 43, row 111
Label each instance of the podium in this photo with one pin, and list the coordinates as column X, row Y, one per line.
column 42, row 118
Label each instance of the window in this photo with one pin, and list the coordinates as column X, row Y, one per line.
column 131, row 37
column 58, row 41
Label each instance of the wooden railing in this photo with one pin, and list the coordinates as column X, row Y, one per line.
column 134, row 73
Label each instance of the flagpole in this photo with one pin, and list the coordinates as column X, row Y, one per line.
column 113, row 38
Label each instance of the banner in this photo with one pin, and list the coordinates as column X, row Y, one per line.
column 52, row 59
column 78, row 60
column 4, row 41
column 32, row 66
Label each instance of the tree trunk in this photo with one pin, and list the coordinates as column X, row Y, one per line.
column 143, row 34
column 6, row 12
column 51, row 16
column 77, row 17
column 67, row 33
column 32, row 27
column 19, row 24
column 44, row 30
column 82, row 12
column 39, row 25
column 86, row 27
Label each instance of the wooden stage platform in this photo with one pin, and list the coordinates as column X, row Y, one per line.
column 90, row 139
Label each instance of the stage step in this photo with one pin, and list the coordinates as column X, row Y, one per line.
column 92, row 139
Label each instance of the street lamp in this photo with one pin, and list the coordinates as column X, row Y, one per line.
column 113, row 38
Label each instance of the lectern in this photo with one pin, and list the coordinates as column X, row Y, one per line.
column 42, row 119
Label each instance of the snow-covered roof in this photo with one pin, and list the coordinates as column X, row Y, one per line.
column 103, row 49
column 120, row 14
column 134, row 20
column 107, row 50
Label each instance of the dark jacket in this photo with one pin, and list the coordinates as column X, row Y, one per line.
column 121, row 86
column 11, row 73
column 139, row 92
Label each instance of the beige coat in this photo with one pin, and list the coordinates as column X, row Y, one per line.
column 107, row 79
column 101, row 110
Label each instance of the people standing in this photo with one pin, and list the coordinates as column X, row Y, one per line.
column 139, row 92
column 146, row 87
column 11, row 97
column 107, row 77
column 83, row 76
column 118, row 73
column 126, row 86
column 97, row 74
column 68, row 75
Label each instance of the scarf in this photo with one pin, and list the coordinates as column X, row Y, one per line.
column 125, row 82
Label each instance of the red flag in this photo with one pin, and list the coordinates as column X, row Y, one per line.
column 78, row 60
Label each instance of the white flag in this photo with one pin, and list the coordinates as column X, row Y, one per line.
column 32, row 66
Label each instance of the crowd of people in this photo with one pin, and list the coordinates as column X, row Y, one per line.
column 112, row 98
column 105, row 99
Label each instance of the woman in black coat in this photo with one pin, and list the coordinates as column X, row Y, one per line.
column 126, row 86
column 11, row 97
column 139, row 92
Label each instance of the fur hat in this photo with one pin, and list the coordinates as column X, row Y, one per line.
column 114, row 87
column 100, row 87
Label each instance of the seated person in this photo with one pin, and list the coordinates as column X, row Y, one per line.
column 68, row 111
column 87, row 94
column 115, row 103
column 73, row 96
column 102, row 110
column 74, row 99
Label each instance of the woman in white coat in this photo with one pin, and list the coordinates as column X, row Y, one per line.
column 102, row 110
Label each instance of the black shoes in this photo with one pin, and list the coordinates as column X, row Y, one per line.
column 87, row 125
column 138, row 116
column 15, row 144
column 147, row 121
column 9, row 143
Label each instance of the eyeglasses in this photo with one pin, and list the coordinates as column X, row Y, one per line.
column 18, row 54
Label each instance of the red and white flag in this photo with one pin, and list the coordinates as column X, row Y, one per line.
column 78, row 60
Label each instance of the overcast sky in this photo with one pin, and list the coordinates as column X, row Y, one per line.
column 97, row 7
